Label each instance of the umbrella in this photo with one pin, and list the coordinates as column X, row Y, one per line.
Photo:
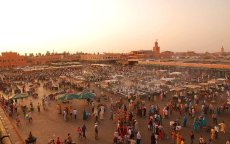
column 17, row 96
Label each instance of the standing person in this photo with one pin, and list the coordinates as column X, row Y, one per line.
column 185, row 121
column 15, row 107
column 18, row 123
column 59, row 108
column 182, row 141
column 43, row 104
column 39, row 109
column 79, row 132
column 58, row 141
column 201, row 140
column 138, row 137
column 96, row 130
column 75, row 113
column 149, row 97
column 216, row 128
column 212, row 134
column 84, row 130
column 30, row 117
column 64, row 115
column 222, row 127
column 214, row 117
column 101, row 113
column 153, row 139
column 192, row 137
column 69, row 139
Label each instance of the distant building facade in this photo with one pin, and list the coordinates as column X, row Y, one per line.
column 46, row 59
column 141, row 54
column 166, row 55
column 12, row 60
column 101, row 57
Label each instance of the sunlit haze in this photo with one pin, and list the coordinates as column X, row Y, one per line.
column 114, row 25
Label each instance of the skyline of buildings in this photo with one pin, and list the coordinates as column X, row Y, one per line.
column 13, row 59
column 155, row 50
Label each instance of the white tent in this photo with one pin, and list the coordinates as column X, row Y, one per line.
column 221, row 79
column 175, row 73
column 167, row 79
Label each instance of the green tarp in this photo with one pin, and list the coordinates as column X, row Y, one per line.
column 75, row 96
column 69, row 97
column 87, row 96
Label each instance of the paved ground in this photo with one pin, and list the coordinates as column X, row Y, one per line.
column 49, row 124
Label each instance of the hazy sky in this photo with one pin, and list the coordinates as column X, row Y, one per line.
column 114, row 25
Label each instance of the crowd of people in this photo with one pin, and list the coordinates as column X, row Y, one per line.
column 166, row 117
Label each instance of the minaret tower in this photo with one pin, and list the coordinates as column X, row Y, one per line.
column 222, row 49
column 156, row 51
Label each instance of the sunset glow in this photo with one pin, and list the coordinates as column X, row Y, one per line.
column 114, row 25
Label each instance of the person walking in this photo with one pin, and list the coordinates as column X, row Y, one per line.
column 192, row 137
column 64, row 115
column 96, row 131
column 79, row 131
column 153, row 139
column 212, row 134
column 84, row 130
column 58, row 141
column 75, row 114
column 185, row 121
column 18, row 123
column 216, row 128
column 69, row 139
column 201, row 140
column 222, row 127
column 138, row 137
column 39, row 109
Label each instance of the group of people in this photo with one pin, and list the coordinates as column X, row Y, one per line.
column 195, row 112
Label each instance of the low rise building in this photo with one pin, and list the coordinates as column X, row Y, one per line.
column 46, row 59
column 12, row 60
column 141, row 54
column 166, row 55
column 101, row 57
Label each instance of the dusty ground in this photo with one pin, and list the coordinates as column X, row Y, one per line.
column 49, row 124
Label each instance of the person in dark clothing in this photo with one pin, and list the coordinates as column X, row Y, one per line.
column 153, row 139
column 192, row 137
column 84, row 130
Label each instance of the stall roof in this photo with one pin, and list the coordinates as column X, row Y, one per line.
column 213, row 81
column 177, row 89
column 102, row 65
column 221, row 79
column 203, row 84
column 192, row 86
column 162, row 70
column 175, row 73
column 167, row 79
